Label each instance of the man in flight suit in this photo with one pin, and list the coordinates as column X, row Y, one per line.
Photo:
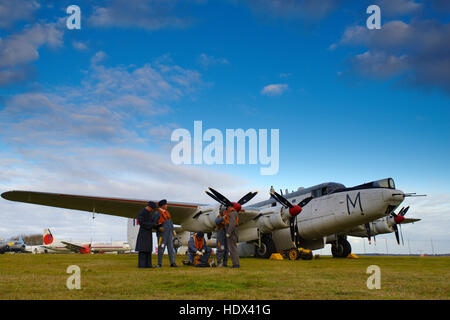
column 164, row 234
column 197, row 246
column 144, row 243
column 222, row 221
column 232, row 236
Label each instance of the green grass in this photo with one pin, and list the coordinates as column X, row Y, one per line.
column 26, row 276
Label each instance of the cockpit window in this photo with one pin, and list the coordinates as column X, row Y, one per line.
column 385, row 183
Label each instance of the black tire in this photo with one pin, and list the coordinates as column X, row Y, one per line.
column 266, row 249
column 307, row 256
column 342, row 249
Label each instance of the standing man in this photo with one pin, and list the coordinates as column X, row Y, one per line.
column 222, row 221
column 144, row 243
column 164, row 234
column 232, row 236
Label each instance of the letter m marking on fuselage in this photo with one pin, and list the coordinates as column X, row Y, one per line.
column 353, row 203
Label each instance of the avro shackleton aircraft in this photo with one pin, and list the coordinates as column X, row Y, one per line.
column 308, row 218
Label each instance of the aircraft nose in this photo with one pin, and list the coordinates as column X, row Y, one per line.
column 394, row 197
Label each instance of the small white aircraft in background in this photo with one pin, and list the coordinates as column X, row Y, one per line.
column 307, row 218
column 59, row 246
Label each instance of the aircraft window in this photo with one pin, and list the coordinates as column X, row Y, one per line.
column 385, row 183
column 294, row 201
column 274, row 204
column 324, row 191
column 391, row 183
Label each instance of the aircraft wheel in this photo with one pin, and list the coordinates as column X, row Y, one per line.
column 307, row 256
column 266, row 249
column 342, row 249
column 293, row 254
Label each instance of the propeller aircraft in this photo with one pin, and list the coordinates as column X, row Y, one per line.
column 308, row 218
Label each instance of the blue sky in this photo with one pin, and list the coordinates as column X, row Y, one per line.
column 91, row 111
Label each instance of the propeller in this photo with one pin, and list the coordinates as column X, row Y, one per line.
column 220, row 198
column 294, row 210
column 398, row 219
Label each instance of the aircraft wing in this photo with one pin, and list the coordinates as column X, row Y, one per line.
column 248, row 213
column 127, row 208
column 73, row 247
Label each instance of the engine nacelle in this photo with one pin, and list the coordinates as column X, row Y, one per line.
column 272, row 219
column 203, row 220
column 382, row 226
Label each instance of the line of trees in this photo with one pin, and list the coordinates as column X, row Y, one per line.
column 30, row 239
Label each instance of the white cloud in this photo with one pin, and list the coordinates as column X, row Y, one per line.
column 101, row 109
column 148, row 15
column 379, row 65
column 274, row 89
column 98, row 57
column 80, row 46
column 398, row 7
column 22, row 48
column 206, row 60
column 418, row 50
column 18, row 50
column 12, row 11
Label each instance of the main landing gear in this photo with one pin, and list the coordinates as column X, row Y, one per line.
column 266, row 248
column 341, row 248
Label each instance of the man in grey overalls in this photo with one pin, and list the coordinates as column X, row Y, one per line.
column 222, row 221
column 232, row 236
column 164, row 234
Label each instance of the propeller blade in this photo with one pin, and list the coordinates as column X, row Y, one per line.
column 282, row 200
column 291, row 227
column 215, row 198
column 401, row 234
column 221, row 197
column 405, row 211
column 305, row 201
column 249, row 196
column 396, row 233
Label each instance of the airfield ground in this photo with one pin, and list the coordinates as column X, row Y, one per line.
column 27, row 276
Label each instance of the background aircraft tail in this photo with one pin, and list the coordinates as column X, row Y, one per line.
column 48, row 237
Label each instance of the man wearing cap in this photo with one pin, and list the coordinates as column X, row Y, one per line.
column 164, row 234
column 147, row 219
column 197, row 247
column 232, row 234
column 222, row 221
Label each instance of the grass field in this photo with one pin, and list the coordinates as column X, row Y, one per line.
column 26, row 276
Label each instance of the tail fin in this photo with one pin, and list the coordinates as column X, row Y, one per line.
column 48, row 237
